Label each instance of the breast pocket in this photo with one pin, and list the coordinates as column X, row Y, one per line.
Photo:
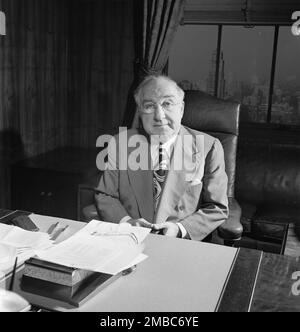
column 194, row 189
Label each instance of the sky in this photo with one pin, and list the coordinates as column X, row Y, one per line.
column 247, row 53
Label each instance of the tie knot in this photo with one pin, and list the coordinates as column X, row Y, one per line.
column 162, row 158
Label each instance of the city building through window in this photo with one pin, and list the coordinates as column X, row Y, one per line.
column 253, row 65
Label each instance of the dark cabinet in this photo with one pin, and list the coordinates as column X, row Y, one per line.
column 48, row 183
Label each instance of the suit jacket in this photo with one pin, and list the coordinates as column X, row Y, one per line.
column 195, row 196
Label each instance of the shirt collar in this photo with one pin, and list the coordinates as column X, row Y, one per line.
column 165, row 145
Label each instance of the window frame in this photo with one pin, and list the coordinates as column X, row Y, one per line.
column 268, row 123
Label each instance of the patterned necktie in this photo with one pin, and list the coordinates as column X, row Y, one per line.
column 159, row 175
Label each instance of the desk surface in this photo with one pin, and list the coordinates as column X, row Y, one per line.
column 170, row 280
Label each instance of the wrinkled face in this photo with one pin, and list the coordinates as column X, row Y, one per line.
column 161, row 108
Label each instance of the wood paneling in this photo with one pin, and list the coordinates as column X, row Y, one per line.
column 33, row 81
column 102, row 53
column 65, row 71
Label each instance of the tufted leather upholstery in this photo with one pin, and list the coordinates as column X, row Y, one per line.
column 268, row 179
column 269, row 174
column 220, row 119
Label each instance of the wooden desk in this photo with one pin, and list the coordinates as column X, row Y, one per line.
column 170, row 280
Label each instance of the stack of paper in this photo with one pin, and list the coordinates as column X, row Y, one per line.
column 12, row 302
column 22, row 239
column 21, row 243
column 7, row 260
column 101, row 247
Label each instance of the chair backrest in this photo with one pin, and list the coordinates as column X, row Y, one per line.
column 219, row 118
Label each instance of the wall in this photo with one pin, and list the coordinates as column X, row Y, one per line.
column 65, row 70
column 102, row 53
column 33, row 82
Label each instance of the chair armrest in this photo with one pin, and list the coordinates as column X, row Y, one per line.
column 89, row 213
column 232, row 229
column 86, row 197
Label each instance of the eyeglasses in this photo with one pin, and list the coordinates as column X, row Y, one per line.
column 150, row 107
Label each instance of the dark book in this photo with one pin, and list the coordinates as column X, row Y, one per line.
column 9, row 217
column 24, row 222
column 74, row 295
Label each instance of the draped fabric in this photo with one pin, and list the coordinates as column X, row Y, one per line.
column 101, row 53
column 33, row 82
column 156, row 22
column 160, row 21
column 65, row 71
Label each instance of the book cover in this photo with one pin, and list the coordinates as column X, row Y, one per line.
column 7, row 219
column 59, row 274
column 74, row 295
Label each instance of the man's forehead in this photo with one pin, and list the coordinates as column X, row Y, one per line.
column 160, row 89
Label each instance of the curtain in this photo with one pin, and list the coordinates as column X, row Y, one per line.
column 101, row 53
column 156, row 22
column 33, row 82
column 65, row 71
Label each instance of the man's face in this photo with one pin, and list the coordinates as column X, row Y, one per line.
column 161, row 109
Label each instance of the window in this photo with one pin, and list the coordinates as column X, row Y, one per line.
column 247, row 69
column 286, row 96
column 189, row 63
column 245, row 64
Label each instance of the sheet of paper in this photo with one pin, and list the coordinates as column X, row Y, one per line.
column 4, row 230
column 20, row 238
column 100, row 246
column 106, row 229
column 11, row 246
column 6, row 268
column 12, row 302
column 140, row 258
column 93, row 252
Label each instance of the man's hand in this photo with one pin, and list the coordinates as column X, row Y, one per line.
column 141, row 222
column 168, row 228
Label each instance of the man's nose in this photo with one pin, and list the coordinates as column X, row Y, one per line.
column 159, row 113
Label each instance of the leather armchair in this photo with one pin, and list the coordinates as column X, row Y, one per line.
column 268, row 185
column 218, row 118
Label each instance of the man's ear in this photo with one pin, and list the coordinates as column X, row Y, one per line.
column 182, row 108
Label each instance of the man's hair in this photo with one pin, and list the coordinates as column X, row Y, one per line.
column 150, row 78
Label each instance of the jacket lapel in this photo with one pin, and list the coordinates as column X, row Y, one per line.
column 141, row 182
column 184, row 163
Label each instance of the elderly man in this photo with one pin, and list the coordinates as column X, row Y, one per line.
column 188, row 201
